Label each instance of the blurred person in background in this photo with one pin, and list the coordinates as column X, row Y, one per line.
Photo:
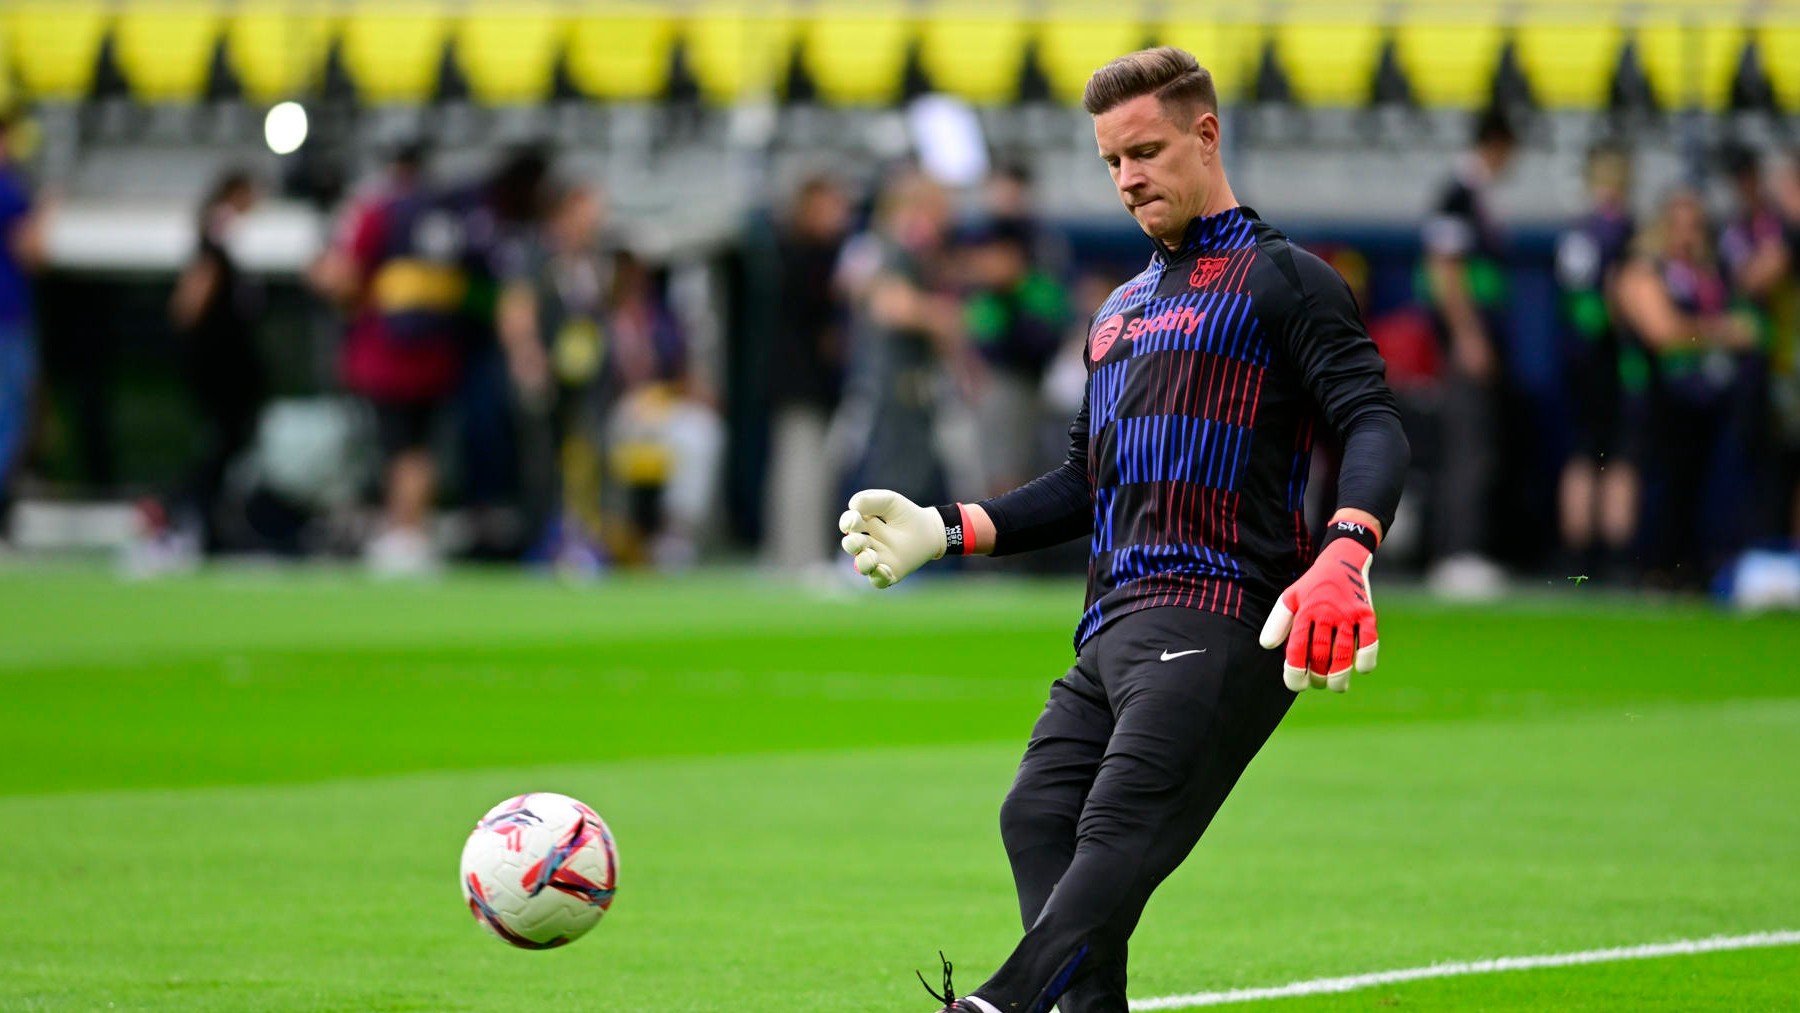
column 1674, row 298
column 507, row 365
column 1465, row 280
column 575, row 287
column 1755, row 252
column 806, row 363
column 1010, row 196
column 433, row 273
column 338, row 272
column 1753, row 245
column 1784, row 187
column 905, row 336
column 403, row 366
column 663, row 434
column 1014, row 316
column 1606, row 378
column 21, row 255
column 214, row 309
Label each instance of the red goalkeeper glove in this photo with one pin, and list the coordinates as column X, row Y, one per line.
column 1327, row 617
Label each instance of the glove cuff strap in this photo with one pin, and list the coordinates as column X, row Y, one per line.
column 958, row 540
column 1361, row 534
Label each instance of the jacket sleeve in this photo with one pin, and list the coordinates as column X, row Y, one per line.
column 1323, row 336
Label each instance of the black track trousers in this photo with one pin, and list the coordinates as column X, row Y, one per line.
column 1137, row 748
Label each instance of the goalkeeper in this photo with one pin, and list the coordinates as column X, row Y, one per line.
column 1187, row 466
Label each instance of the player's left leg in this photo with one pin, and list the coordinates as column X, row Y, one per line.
column 1195, row 698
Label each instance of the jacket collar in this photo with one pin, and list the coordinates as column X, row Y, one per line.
column 1204, row 233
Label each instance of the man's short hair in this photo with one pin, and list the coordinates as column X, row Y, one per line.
column 1177, row 80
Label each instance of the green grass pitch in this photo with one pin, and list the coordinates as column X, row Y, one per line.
column 248, row 791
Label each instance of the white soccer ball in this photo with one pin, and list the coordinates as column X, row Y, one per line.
column 539, row 870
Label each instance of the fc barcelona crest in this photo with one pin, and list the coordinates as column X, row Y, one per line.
column 1207, row 270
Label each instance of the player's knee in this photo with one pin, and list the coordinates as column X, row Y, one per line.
column 1028, row 821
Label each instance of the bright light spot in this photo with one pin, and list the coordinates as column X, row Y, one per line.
column 947, row 133
column 285, row 128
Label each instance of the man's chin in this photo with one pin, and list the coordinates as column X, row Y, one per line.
column 1154, row 226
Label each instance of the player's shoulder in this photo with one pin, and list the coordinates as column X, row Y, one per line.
column 1288, row 271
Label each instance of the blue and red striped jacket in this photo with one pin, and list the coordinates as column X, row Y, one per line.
column 1207, row 374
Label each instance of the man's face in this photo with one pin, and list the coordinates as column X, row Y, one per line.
column 1158, row 165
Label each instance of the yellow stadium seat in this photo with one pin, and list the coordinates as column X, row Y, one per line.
column 856, row 52
column 1074, row 40
column 1330, row 62
column 55, row 44
column 165, row 48
column 623, row 51
column 1228, row 50
column 276, row 48
column 1450, row 63
column 1780, row 47
column 738, row 51
column 9, row 97
column 1570, row 65
column 1690, row 64
column 507, row 49
column 974, row 53
column 393, row 50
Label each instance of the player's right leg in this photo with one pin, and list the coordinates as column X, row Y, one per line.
column 1039, row 817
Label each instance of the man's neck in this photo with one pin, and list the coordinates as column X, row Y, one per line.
column 1221, row 200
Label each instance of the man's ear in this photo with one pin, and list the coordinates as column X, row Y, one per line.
column 1206, row 127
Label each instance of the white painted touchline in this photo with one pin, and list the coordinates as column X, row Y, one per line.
column 1496, row 965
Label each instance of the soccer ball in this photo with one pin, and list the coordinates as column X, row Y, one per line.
column 539, row 870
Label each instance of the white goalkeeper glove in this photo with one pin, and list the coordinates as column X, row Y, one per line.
column 889, row 536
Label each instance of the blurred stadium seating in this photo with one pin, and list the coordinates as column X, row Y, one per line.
column 698, row 116
column 857, row 53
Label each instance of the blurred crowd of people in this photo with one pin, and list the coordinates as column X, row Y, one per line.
column 493, row 327
column 917, row 354
column 514, row 352
column 1682, row 391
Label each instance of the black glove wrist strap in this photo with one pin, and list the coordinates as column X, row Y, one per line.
column 953, row 529
column 1362, row 534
